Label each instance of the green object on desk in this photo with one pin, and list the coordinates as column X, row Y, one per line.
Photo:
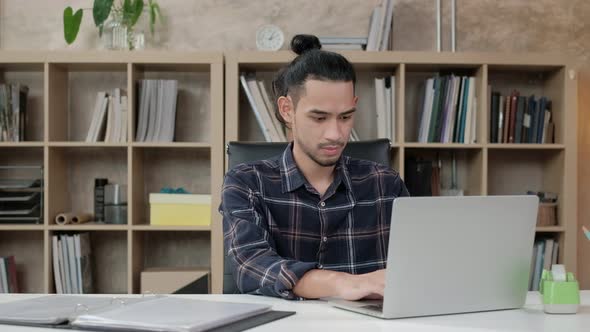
column 559, row 297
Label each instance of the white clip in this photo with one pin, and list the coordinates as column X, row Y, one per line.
column 81, row 307
column 150, row 293
column 572, row 74
column 119, row 300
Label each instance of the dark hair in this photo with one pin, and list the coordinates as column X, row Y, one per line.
column 311, row 63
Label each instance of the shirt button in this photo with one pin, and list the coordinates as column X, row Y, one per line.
column 322, row 204
column 325, row 239
column 320, row 266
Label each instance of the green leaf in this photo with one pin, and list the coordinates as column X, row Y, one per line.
column 101, row 11
column 71, row 24
column 155, row 14
column 132, row 11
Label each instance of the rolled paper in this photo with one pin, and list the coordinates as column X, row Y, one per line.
column 64, row 218
column 80, row 218
column 68, row 218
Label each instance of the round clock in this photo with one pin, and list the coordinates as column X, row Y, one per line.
column 269, row 38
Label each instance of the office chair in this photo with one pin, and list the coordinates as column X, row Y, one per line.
column 241, row 152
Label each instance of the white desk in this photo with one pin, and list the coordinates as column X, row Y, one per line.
column 319, row 316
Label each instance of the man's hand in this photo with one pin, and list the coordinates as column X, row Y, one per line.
column 323, row 283
column 363, row 286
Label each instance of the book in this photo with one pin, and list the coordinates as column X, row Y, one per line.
column 72, row 267
column 148, row 313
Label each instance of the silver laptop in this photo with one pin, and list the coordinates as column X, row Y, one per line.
column 452, row 255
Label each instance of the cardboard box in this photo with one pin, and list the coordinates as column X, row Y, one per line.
column 169, row 280
column 180, row 210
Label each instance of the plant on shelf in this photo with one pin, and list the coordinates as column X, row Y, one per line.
column 118, row 32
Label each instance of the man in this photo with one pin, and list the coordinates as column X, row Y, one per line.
column 311, row 223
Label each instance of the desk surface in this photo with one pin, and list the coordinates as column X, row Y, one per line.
column 319, row 316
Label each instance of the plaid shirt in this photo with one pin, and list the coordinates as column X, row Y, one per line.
column 277, row 227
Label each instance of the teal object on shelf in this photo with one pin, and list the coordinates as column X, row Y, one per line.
column 559, row 296
column 168, row 190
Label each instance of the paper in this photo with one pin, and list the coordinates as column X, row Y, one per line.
column 558, row 272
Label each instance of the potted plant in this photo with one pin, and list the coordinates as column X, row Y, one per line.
column 120, row 29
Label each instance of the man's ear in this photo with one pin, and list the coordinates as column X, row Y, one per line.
column 286, row 109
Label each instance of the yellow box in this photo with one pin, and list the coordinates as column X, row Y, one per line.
column 180, row 210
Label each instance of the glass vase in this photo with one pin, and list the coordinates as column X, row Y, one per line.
column 115, row 34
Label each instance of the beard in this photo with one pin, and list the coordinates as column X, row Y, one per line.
column 324, row 162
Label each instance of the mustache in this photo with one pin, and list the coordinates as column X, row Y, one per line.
column 337, row 143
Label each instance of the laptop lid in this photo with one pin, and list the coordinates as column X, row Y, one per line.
column 459, row 254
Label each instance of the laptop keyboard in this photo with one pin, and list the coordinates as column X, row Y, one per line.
column 374, row 307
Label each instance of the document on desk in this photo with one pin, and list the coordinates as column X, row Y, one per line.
column 51, row 309
column 170, row 314
column 149, row 313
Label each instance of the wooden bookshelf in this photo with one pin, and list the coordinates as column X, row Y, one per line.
column 63, row 87
column 484, row 168
column 583, row 179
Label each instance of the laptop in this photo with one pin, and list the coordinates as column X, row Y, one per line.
column 450, row 255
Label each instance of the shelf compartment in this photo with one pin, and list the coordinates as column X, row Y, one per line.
column 415, row 79
column 165, row 249
column 27, row 248
column 108, row 260
column 547, row 81
column 73, row 92
column 366, row 121
column 72, row 171
column 193, row 108
column 32, row 76
column 469, row 164
column 514, row 172
column 22, row 185
column 155, row 168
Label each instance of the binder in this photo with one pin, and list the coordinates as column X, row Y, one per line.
column 147, row 313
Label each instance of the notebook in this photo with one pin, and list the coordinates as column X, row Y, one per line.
column 151, row 313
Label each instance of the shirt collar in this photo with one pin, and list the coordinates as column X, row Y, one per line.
column 292, row 178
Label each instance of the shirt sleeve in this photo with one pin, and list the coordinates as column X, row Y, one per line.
column 257, row 268
column 400, row 187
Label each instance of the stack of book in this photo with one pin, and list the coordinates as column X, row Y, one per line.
column 263, row 107
column 8, row 280
column 379, row 36
column 544, row 255
column 520, row 119
column 13, row 110
column 385, row 107
column 381, row 27
column 156, row 110
column 109, row 120
column 344, row 43
column 72, row 268
column 449, row 110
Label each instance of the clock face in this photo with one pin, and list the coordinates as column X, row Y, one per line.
column 269, row 38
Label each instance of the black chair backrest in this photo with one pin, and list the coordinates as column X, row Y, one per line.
column 240, row 152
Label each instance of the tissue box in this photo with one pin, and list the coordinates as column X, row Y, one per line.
column 170, row 280
column 559, row 297
column 180, row 210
